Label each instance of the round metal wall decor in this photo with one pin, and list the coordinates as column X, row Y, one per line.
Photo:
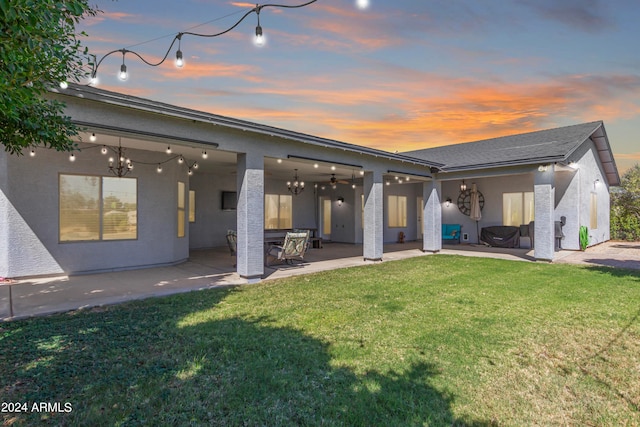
column 464, row 202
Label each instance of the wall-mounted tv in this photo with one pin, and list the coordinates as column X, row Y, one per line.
column 229, row 200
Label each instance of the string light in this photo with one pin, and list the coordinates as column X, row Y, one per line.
column 123, row 68
column 179, row 60
column 259, row 40
column 204, row 155
column 72, row 157
column 93, row 137
column 33, row 152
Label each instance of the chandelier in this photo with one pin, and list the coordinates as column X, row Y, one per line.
column 120, row 166
column 296, row 187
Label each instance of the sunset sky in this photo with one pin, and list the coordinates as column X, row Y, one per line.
column 400, row 75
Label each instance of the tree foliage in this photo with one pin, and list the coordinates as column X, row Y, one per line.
column 625, row 207
column 39, row 48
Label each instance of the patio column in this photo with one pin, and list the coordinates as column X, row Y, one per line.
column 373, row 216
column 432, row 214
column 544, row 200
column 250, row 216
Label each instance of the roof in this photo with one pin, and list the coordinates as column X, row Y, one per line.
column 119, row 99
column 545, row 146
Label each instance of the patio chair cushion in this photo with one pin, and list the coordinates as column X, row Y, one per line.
column 451, row 232
column 294, row 247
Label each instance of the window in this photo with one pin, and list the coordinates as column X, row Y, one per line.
column 192, row 206
column 278, row 211
column 593, row 212
column 181, row 216
column 362, row 212
column 94, row 208
column 326, row 217
column 517, row 208
column 397, row 211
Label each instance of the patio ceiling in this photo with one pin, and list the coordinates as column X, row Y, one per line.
column 225, row 162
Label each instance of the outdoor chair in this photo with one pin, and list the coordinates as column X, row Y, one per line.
column 293, row 248
column 232, row 242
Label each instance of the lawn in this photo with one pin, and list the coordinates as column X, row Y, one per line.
column 438, row 340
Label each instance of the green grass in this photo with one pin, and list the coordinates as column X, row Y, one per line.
column 438, row 340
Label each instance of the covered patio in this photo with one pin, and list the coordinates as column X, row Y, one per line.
column 205, row 269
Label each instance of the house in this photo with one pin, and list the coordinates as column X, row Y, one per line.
column 152, row 181
column 546, row 175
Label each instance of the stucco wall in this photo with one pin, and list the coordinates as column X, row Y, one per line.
column 591, row 180
column 31, row 191
column 411, row 191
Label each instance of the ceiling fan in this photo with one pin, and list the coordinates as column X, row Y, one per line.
column 334, row 180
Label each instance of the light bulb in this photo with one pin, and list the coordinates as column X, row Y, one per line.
column 104, row 149
column 72, row 157
column 179, row 60
column 259, row 40
column 64, row 85
column 93, row 80
column 168, row 149
column 362, row 4
column 33, row 152
column 195, row 165
column 159, row 168
column 204, row 155
column 180, row 159
column 123, row 73
column 93, row 138
column 190, row 172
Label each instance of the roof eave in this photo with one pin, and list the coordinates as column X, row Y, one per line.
column 122, row 100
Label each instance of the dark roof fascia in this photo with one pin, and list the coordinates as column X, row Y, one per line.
column 615, row 180
column 524, row 162
column 119, row 99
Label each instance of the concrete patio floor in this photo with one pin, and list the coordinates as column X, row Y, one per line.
column 214, row 268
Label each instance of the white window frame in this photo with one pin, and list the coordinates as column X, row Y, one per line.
column 527, row 215
column 284, row 220
column 397, row 210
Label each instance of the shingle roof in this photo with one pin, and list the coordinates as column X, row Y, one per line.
column 532, row 147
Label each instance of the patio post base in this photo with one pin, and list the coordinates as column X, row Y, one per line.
column 252, row 279
column 373, row 259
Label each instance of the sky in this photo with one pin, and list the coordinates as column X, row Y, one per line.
column 399, row 75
